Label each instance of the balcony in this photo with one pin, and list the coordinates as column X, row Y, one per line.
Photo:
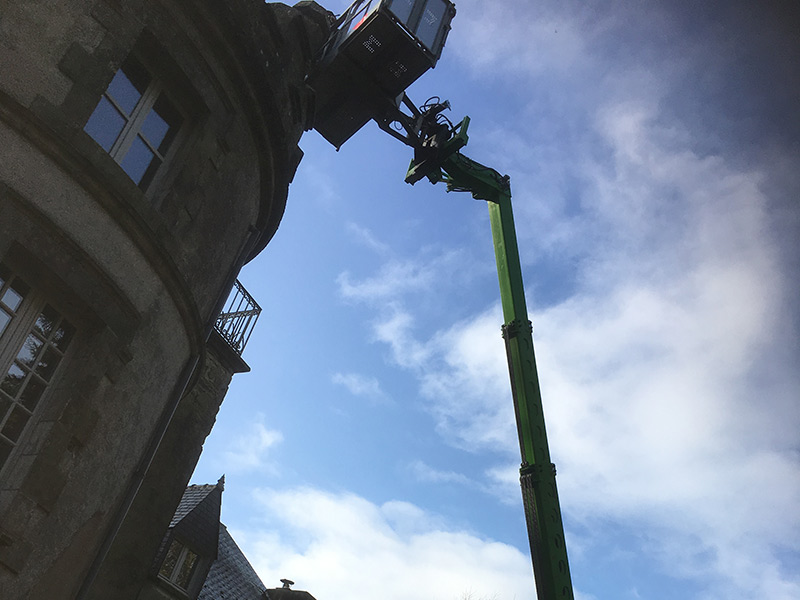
column 238, row 318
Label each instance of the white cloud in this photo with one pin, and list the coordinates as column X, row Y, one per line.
column 365, row 237
column 323, row 189
column 398, row 277
column 489, row 37
column 424, row 472
column 666, row 410
column 396, row 329
column 504, row 483
column 669, row 378
column 361, row 385
column 500, row 482
column 250, row 450
column 462, row 372
column 335, row 545
column 469, row 390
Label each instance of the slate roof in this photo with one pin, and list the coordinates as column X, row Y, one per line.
column 196, row 521
column 193, row 496
column 231, row 577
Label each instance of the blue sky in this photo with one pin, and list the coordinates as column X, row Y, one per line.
column 653, row 151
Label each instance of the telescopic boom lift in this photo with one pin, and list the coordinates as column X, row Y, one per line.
column 377, row 49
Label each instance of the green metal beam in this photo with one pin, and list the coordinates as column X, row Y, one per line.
column 537, row 472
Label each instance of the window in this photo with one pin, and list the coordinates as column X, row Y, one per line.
column 33, row 339
column 179, row 565
column 135, row 122
column 430, row 23
column 402, row 9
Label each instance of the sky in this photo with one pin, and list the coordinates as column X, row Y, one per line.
column 653, row 151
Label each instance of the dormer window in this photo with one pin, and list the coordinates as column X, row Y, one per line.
column 135, row 122
column 179, row 565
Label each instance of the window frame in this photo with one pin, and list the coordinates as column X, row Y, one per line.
column 154, row 90
column 13, row 338
column 174, row 575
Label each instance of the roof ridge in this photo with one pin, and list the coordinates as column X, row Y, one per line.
column 210, row 486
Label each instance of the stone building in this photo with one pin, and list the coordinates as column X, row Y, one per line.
column 146, row 149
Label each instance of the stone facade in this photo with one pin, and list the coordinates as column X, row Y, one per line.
column 111, row 371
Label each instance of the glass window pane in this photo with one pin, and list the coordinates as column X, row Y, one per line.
column 128, row 85
column 105, row 124
column 5, row 274
column 48, row 363
column 5, row 319
column 137, row 160
column 12, row 299
column 171, row 559
column 155, row 128
column 46, row 321
column 15, row 294
column 402, row 10
column 63, row 336
column 430, row 23
column 187, row 568
column 13, row 380
column 32, row 393
column 16, row 423
column 30, row 350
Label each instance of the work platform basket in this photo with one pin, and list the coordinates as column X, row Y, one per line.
column 377, row 50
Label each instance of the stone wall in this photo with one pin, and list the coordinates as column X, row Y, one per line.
column 139, row 271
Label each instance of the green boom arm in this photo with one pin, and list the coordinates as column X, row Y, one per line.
column 537, row 473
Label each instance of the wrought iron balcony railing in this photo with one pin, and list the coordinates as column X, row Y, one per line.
column 238, row 319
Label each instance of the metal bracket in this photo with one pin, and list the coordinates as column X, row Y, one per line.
column 513, row 328
column 536, row 473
